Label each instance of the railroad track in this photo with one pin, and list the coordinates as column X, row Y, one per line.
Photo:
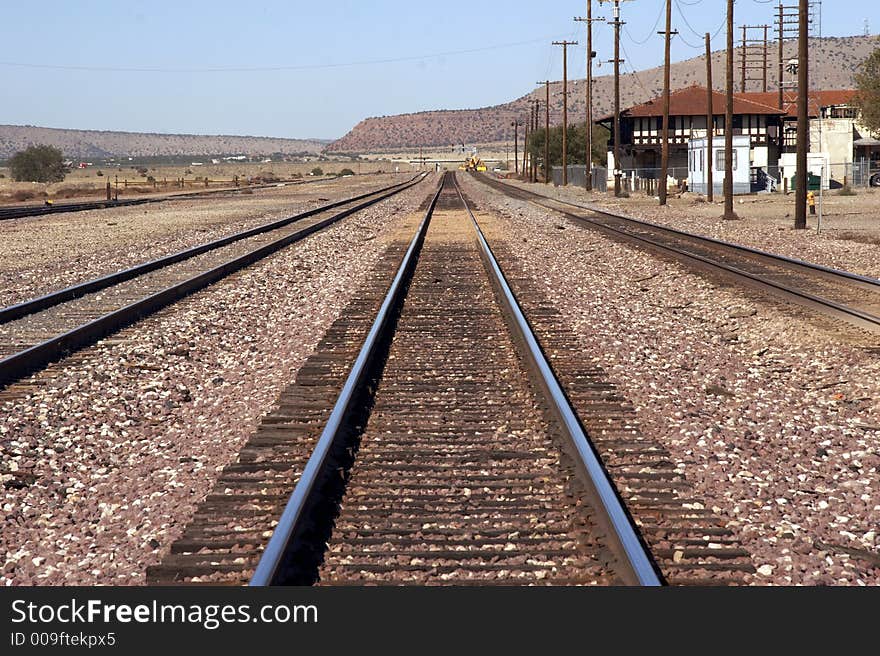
column 428, row 441
column 38, row 331
column 841, row 294
column 22, row 211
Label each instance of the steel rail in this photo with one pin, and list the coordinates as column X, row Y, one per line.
column 271, row 562
column 78, row 290
column 872, row 283
column 638, row 565
column 24, row 211
column 31, row 359
column 855, row 316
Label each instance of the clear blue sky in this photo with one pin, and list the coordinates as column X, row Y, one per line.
column 324, row 54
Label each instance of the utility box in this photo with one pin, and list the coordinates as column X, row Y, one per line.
column 813, row 182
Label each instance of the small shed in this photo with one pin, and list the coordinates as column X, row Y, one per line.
column 699, row 161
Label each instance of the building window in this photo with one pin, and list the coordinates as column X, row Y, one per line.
column 843, row 112
column 719, row 159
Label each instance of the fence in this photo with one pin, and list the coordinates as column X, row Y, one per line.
column 764, row 178
column 577, row 176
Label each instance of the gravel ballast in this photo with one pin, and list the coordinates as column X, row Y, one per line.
column 43, row 254
column 771, row 413
column 106, row 456
column 836, row 245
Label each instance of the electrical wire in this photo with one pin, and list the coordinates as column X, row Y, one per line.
column 258, row 69
column 691, row 28
column 653, row 29
column 632, row 70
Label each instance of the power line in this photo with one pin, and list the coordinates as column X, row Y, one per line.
column 691, row 28
column 259, row 69
column 651, row 32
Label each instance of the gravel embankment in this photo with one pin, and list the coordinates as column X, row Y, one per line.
column 775, row 420
column 768, row 230
column 43, row 254
column 105, row 461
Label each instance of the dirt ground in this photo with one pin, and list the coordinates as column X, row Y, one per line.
column 83, row 183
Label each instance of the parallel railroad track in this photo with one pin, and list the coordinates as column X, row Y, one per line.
column 442, row 450
column 36, row 332
column 841, row 294
column 22, row 211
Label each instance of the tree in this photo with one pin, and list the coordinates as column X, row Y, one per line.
column 38, row 164
column 868, row 96
column 576, row 144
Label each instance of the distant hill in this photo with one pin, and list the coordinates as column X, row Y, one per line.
column 833, row 62
column 78, row 144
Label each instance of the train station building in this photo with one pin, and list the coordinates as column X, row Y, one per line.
column 839, row 146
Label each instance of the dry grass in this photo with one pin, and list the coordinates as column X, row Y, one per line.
column 87, row 183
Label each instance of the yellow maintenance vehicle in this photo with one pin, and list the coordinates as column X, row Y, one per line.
column 473, row 163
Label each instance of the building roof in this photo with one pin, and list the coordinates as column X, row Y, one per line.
column 691, row 101
column 817, row 99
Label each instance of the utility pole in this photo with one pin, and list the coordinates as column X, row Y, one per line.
column 546, row 84
column 526, row 144
column 803, row 125
column 764, row 66
column 787, row 21
column 664, row 156
column 710, row 122
column 515, row 125
column 617, row 23
column 753, row 56
column 589, row 20
column 565, row 45
column 534, row 160
column 728, row 122
column 781, row 37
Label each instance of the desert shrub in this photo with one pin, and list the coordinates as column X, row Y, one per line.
column 317, row 171
column 151, row 179
column 72, row 191
column 345, row 172
column 2, row 176
column 23, row 194
column 38, row 164
column 99, row 173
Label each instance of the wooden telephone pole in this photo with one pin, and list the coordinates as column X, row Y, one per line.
column 589, row 20
column 753, row 56
column 787, row 21
column 515, row 125
column 728, row 122
column 710, row 122
column 664, row 152
column 565, row 45
column 534, row 160
column 616, row 23
column 546, row 84
column 803, row 123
